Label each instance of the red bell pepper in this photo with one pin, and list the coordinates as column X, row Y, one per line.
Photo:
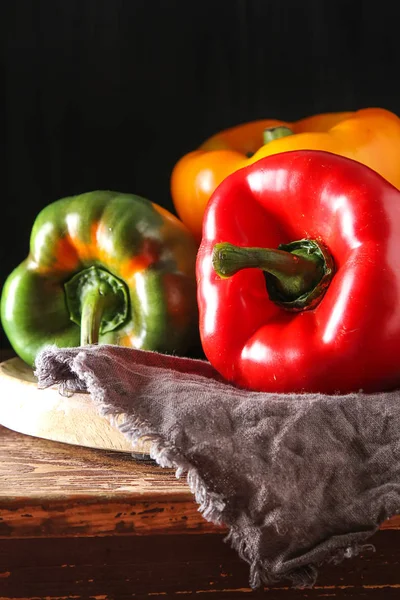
column 299, row 276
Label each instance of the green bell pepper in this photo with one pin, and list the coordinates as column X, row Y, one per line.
column 104, row 268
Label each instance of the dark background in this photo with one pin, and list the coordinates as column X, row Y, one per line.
column 109, row 94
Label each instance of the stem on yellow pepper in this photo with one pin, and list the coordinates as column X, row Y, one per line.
column 274, row 133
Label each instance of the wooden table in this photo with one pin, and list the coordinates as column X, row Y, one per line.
column 81, row 523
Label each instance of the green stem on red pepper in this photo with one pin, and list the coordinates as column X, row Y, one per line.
column 297, row 274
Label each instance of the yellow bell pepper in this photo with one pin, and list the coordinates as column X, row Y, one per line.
column 370, row 136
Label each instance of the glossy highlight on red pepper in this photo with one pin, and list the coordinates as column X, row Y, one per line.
column 349, row 339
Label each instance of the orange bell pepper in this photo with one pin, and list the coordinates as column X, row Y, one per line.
column 370, row 136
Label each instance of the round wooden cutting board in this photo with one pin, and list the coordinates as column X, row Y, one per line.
column 46, row 414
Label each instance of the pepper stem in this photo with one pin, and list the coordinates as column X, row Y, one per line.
column 274, row 133
column 297, row 274
column 97, row 301
column 94, row 302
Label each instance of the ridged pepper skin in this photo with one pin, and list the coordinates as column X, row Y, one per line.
column 349, row 340
column 370, row 136
column 127, row 264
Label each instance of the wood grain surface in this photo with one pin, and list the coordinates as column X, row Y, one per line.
column 56, row 488
column 52, row 489
column 82, row 523
column 172, row 567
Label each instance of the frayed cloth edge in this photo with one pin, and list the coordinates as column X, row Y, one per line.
column 211, row 505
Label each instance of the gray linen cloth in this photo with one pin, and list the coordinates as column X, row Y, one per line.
column 298, row 479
